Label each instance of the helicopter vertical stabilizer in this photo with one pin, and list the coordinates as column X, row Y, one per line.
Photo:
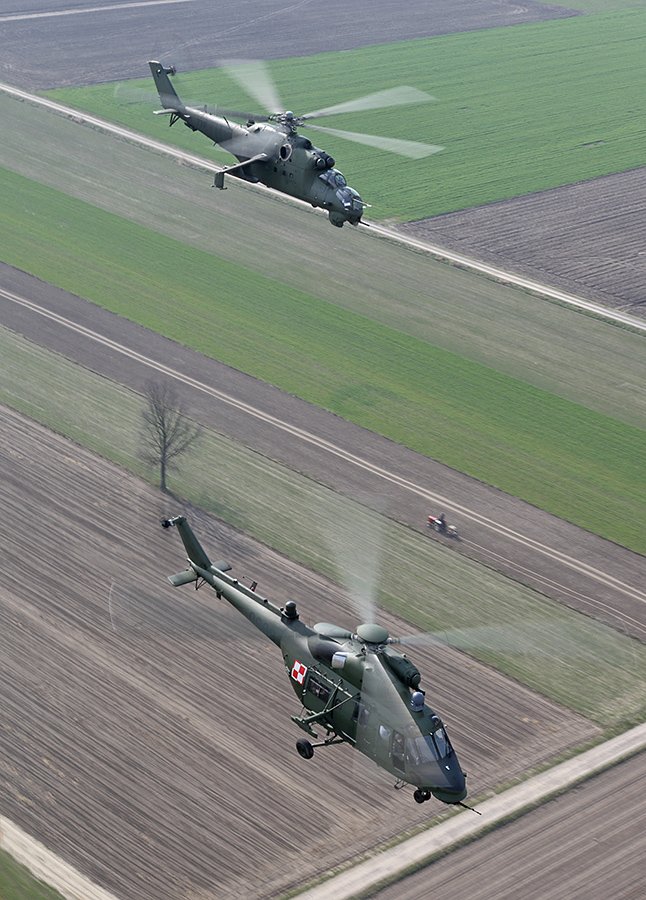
column 167, row 93
column 196, row 553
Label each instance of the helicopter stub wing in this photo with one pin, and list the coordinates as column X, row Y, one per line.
column 218, row 180
column 259, row 157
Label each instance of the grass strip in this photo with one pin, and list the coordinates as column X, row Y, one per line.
column 572, row 659
column 580, row 465
column 17, row 883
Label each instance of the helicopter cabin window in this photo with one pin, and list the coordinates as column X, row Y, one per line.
column 398, row 751
column 360, row 714
column 442, row 743
column 430, row 747
column 318, row 689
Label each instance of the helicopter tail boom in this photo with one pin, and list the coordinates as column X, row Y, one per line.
column 167, row 94
column 269, row 618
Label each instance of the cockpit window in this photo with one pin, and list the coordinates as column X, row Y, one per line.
column 442, row 742
column 430, row 747
column 334, row 178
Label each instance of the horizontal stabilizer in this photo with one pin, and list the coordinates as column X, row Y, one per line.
column 184, row 577
column 222, row 566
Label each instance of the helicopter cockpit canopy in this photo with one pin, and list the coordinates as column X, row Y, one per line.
column 334, row 178
column 428, row 748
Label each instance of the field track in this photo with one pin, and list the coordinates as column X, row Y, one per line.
column 124, row 747
column 497, row 529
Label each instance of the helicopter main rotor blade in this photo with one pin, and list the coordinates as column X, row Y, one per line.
column 397, row 96
column 554, row 639
column 126, row 94
column 411, row 149
column 354, row 535
column 254, row 77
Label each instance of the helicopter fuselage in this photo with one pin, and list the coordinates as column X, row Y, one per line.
column 270, row 152
column 358, row 690
column 292, row 164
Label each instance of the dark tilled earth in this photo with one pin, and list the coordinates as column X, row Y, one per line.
column 40, row 51
column 586, row 238
column 145, row 733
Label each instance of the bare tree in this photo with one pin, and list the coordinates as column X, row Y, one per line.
column 166, row 431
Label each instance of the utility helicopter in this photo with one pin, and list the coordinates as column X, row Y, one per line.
column 269, row 148
column 356, row 687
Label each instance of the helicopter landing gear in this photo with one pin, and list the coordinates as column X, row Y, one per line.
column 421, row 795
column 305, row 748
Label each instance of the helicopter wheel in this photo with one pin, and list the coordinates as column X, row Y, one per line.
column 421, row 796
column 305, row 748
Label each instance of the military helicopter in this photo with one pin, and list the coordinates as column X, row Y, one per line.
column 269, row 148
column 355, row 686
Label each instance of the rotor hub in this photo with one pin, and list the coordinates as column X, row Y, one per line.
column 371, row 633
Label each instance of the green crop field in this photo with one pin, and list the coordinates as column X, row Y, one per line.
column 518, row 110
column 495, row 619
column 579, row 464
column 16, row 883
column 560, row 351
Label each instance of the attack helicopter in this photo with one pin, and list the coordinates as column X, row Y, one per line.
column 269, row 148
column 356, row 687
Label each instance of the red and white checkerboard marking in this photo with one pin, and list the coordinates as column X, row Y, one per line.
column 299, row 671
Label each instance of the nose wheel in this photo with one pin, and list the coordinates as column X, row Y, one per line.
column 305, row 748
column 421, row 795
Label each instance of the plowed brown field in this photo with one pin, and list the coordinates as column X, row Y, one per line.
column 145, row 731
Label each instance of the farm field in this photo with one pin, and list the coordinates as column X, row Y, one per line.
column 503, row 624
column 134, row 750
column 106, row 42
column 586, row 842
column 586, row 238
column 505, row 329
column 518, row 110
column 579, row 464
column 16, row 883
column 147, row 734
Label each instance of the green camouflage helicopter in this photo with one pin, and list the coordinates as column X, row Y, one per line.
column 271, row 151
column 355, row 686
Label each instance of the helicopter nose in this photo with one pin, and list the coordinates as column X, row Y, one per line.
column 445, row 779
